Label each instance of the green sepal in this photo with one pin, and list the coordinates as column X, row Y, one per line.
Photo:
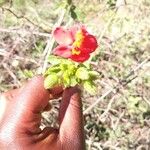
column 94, row 74
column 82, row 73
column 90, row 87
column 54, row 69
column 54, row 60
column 50, row 81
column 73, row 81
column 28, row 73
column 71, row 69
column 66, row 79
column 63, row 67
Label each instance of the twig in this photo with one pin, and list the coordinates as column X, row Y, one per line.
column 146, row 100
column 96, row 102
column 10, row 51
column 11, row 74
column 106, row 26
column 3, row 52
column 24, row 32
column 123, row 82
column 118, row 120
column 120, row 3
column 108, row 108
column 138, row 67
column 93, row 143
column 37, row 16
column 6, row 54
column 25, row 59
column 22, row 17
column 109, row 145
column 51, row 42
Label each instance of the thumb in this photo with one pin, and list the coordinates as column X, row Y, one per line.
column 71, row 120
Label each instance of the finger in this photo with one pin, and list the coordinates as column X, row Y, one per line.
column 34, row 96
column 3, row 106
column 48, row 107
column 25, row 108
column 71, row 119
column 23, row 113
column 4, row 100
column 56, row 91
column 9, row 95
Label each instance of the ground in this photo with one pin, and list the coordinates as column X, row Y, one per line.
column 118, row 117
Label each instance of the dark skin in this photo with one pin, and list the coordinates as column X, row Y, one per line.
column 20, row 122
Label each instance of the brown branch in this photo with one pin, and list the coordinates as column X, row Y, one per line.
column 25, row 32
column 10, row 51
column 11, row 74
column 22, row 17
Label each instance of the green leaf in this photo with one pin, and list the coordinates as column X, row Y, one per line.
column 63, row 67
column 94, row 74
column 72, row 12
column 53, row 69
column 19, row 4
column 82, row 73
column 73, row 81
column 2, row 2
column 66, row 79
column 69, row 2
column 60, row 73
column 71, row 69
column 68, row 62
column 50, row 81
column 87, row 64
column 90, row 87
column 28, row 73
column 54, row 60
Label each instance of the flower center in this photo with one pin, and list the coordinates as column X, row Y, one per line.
column 75, row 51
column 79, row 37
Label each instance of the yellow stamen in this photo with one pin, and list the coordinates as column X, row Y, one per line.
column 75, row 51
column 79, row 37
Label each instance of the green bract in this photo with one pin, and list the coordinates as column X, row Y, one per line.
column 68, row 73
column 82, row 73
column 90, row 87
column 50, row 81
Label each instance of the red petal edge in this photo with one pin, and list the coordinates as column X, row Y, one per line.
column 80, row 58
column 63, row 36
column 63, row 51
column 89, row 43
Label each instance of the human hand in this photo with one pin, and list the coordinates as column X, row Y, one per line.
column 21, row 119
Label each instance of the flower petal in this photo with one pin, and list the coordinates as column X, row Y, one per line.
column 63, row 36
column 63, row 51
column 81, row 57
column 78, row 27
column 89, row 44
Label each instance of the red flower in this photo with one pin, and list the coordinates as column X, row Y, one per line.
column 74, row 43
